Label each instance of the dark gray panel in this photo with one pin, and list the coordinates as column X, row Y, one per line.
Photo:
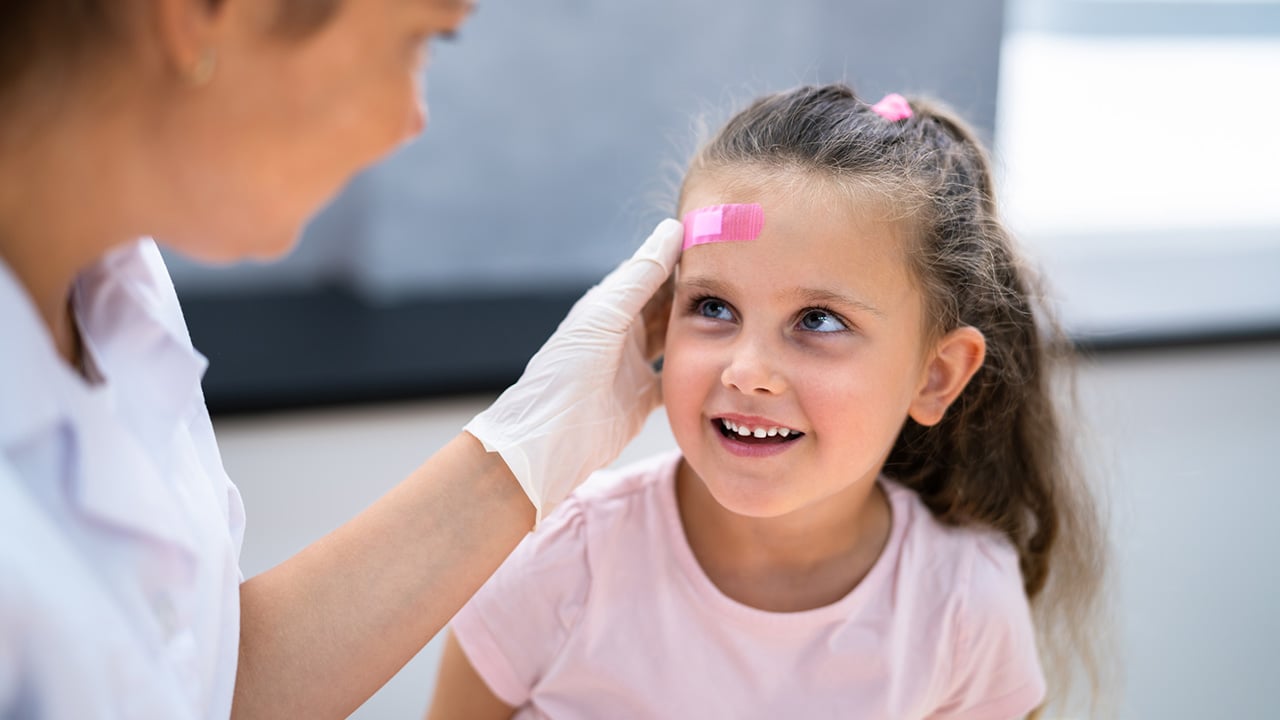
column 557, row 127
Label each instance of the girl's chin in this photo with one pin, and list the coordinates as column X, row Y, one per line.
column 747, row 498
column 758, row 508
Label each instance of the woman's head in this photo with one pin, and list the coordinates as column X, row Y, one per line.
column 236, row 119
column 985, row 447
column 39, row 37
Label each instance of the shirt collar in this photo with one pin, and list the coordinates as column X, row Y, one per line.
column 134, row 332
column 122, row 431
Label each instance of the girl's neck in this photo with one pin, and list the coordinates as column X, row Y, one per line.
column 800, row 561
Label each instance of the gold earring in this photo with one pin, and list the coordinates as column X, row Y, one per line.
column 202, row 71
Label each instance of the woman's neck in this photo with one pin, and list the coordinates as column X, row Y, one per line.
column 61, row 192
column 800, row 561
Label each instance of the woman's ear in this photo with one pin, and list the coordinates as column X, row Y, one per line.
column 189, row 33
column 956, row 358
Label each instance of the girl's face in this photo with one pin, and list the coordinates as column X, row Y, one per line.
column 284, row 123
column 813, row 330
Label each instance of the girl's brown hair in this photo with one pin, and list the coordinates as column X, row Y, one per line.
column 1000, row 457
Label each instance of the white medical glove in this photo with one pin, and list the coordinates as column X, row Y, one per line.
column 588, row 391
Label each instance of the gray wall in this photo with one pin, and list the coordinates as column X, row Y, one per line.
column 558, row 127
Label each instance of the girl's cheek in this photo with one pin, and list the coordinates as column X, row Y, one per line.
column 683, row 372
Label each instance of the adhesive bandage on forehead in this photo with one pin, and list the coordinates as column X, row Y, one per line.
column 722, row 223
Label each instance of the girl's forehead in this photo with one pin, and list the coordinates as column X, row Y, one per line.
column 811, row 237
column 792, row 192
column 801, row 214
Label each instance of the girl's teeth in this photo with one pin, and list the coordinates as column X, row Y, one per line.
column 744, row 431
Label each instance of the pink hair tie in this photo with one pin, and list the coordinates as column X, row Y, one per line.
column 893, row 107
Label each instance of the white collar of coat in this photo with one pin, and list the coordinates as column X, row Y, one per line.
column 122, row 431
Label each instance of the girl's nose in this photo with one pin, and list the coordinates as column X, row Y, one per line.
column 753, row 369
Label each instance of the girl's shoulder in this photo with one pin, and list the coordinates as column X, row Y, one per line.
column 623, row 482
column 962, row 586
column 581, row 553
column 616, row 499
column 975, row 564
column 613, row 508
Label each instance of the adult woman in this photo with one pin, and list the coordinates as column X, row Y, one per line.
column 218, row 127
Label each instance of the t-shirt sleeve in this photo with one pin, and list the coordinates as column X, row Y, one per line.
column 519, row 620
column 996, row 672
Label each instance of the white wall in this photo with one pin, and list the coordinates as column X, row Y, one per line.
column 1141, row 172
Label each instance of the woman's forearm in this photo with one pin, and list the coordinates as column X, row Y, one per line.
column 321, row 632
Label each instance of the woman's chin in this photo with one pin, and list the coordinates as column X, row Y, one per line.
column 237, row 247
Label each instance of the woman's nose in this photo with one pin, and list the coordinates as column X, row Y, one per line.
column 753, row 369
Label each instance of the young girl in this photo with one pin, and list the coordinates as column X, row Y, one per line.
column 872, row 498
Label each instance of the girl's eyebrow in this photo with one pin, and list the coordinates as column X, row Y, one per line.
column 709, row 285
column 821, row 296
column 805, row 296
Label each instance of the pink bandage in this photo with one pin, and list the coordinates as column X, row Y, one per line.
column 722, row 223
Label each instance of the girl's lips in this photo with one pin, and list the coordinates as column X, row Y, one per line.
column 752, row 445
column 754, row 424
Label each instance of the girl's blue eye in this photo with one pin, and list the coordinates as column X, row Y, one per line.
column 713, row 308
column 817, row 320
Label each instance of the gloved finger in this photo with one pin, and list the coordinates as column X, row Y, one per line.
column 635, row 281
column 656, row 399
column 656, row 316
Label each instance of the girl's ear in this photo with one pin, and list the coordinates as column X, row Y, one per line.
column 956, row 357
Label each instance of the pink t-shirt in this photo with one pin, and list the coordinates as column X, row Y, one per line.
column 604, row 612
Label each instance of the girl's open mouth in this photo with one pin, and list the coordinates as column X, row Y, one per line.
column 756, row 435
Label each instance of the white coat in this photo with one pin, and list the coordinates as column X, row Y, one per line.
column 120, row 532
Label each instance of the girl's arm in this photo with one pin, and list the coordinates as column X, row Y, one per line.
column 461, row 693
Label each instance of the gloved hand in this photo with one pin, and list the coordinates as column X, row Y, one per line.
column 588, row 391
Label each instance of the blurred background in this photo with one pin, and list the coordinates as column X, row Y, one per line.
column 1137, row 153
